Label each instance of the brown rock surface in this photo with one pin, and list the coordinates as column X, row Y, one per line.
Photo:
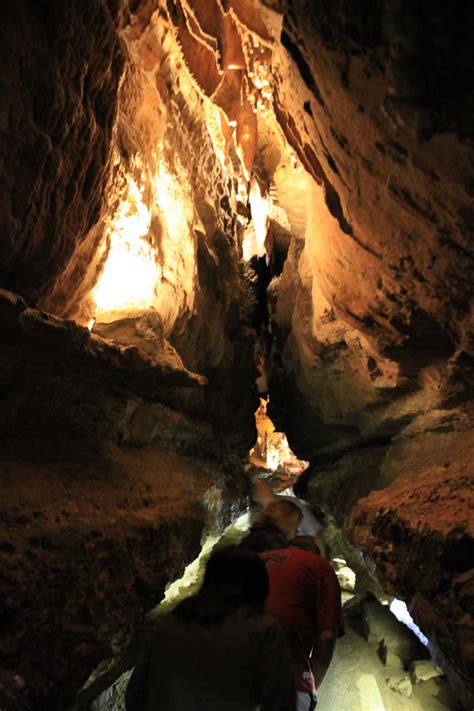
column 57, row 377
column 140, row 211
column 409, row 505
column 61, row 64
column 82, row 565
column 92, row 533
column 373, row 311
column 382, row 320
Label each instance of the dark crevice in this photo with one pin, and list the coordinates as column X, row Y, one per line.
column 263, row 273
column 335, row 208
column 458, row 555
column 355, row 446
column 305, row 70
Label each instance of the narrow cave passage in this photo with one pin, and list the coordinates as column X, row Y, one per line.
column 379, row 665
column 371, row 667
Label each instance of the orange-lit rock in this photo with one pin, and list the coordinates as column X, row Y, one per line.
column 382, row 284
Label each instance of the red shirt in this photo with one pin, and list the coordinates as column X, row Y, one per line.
column 305, row 598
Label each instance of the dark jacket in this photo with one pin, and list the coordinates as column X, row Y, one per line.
column 230, row 666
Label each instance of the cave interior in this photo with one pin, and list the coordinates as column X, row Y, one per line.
column 204, row 203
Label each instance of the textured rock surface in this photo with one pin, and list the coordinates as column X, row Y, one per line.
column 57, row 378
column 416, row 528
column 373, row 311
column 107, row 157
column 120, row 179
column 61, row 65
column 83, row 565
column 84, row 562
column 380, row 324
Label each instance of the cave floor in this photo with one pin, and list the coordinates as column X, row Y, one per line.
column 355, row 657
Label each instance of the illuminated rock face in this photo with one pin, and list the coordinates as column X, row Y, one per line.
column 159, row 230
column 381, row 327
column 120, row 216
column 58, row 112
column 374, row 309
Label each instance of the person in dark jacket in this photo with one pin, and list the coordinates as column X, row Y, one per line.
column 218, row 650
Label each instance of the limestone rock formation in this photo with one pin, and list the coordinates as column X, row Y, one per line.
column 117, row 216
column 61, row 67
column 381, row 319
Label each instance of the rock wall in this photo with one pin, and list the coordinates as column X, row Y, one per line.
column 407, row 505
column 82, row 565
column 117, row 216
column 62, row 66
column 372, row 375
column 383, row 283
column 126, row 203
column 92, row 532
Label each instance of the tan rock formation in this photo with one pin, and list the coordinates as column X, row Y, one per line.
column 382, row 280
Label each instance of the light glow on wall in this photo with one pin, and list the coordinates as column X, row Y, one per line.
column 174, row 203
column 272, row 450
column 253, row 244
column 400, row 610
column 136, row 275
column 131, row 271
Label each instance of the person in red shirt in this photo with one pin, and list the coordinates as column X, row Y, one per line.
column 304, row 596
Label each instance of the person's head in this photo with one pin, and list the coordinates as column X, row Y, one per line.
column 262, row 492
column 234, row 577
column 282, row 514
column 240, row 573
column 306, row 543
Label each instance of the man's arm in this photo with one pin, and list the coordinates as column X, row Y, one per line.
column 322, row 654
column 329, row 622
